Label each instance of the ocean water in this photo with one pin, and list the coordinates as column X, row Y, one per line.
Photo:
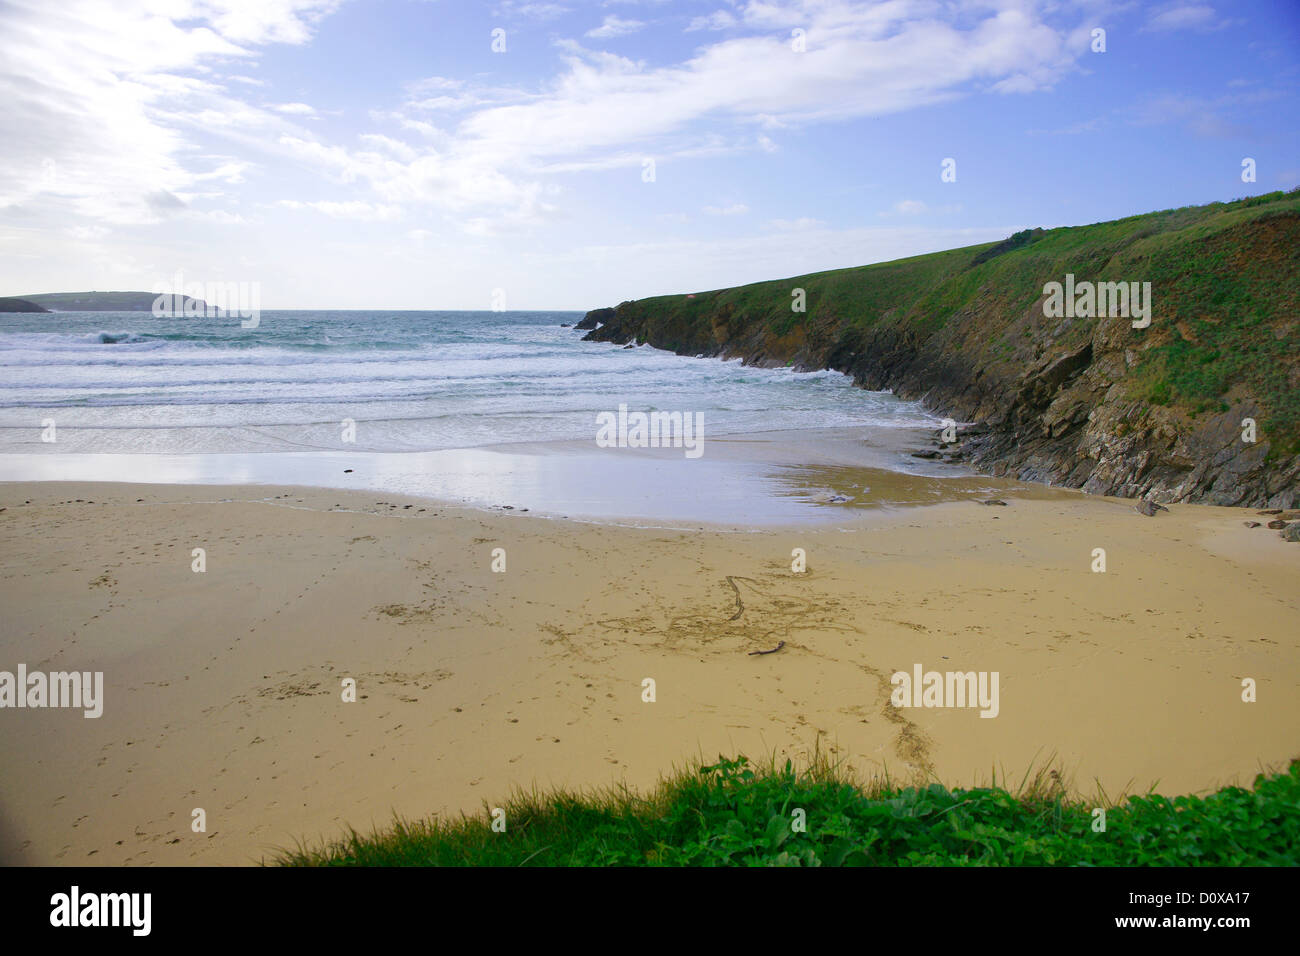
column 132, row 383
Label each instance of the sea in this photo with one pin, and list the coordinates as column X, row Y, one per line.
column 440, row 404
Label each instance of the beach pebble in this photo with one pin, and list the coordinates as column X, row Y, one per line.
column 1277, row 524
column 1251, row 524
column 347, row 471
column 1149, row 508
column 993, row 501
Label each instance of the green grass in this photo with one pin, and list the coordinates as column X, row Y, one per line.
column 1225, row 283
column 733, row 814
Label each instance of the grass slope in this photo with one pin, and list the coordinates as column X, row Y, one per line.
column 1225, row 282
column 730, row 814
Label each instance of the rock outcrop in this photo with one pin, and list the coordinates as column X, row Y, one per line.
column 1201, row 405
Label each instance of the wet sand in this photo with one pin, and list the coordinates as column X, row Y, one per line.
column 767, row 478
column 223, row 688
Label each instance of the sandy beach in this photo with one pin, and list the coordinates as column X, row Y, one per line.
column 222, row 689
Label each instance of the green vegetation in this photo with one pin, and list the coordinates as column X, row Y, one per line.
column 1225, row 282
column 19, row 305
column 95, row 301
column 730, row 814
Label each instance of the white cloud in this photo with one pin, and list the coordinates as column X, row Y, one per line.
column 531, row 11
column 364, row 211
column 735, row 209
column 906, row 207
column 795, row 225
column 120, row 76
column 718, row 20
column 1185, row 16
column 85, row 233
column 295, row 109
column 614, row 26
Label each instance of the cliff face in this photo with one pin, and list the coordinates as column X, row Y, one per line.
column 1084, row 400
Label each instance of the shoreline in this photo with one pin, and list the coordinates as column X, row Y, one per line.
column 222, row 688
column 768, row 479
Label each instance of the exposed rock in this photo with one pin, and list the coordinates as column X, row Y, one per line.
column 925, row 454
column 1276, row 524
column 1070, row 401
column 1251, row 524
column 594, row 318
column 1291, row 532
column 1149, row 508
column 994, row 501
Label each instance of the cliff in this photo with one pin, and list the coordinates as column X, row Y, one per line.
column 1073, row 396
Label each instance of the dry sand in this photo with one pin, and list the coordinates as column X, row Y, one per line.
column 223, row 688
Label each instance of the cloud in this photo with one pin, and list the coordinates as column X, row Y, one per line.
column 906, row 207
column 141, row 83
column 530, row 11
column 295, row 109
column 614, row 26
column 363, row 211
column 803, row 223
column 1185, row 16
column 718, row 20
column 1210, row 118
column 129, row 79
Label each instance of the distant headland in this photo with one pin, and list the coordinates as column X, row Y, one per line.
column 92, row 302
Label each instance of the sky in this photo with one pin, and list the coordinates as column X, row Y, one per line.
column 447, row 154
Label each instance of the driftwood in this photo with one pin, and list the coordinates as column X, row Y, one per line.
column 772, row 651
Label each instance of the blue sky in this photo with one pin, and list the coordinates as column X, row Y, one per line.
column 381, row 154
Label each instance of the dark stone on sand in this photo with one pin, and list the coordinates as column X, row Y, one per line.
column 1269, row 511
column 1277, row 524
column 1291, row 532
column 1251, row 524
column 994, row 501
column 1149, row 508
column 347, row 471
column 925, row 454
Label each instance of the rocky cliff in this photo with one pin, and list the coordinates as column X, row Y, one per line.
column 1196, row 399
